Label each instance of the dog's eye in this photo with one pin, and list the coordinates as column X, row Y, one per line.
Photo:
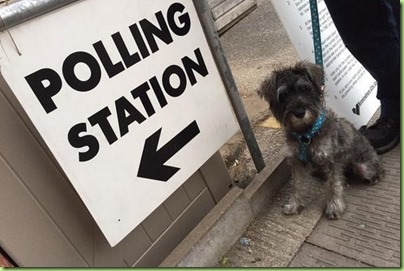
column 303, row 86
column 281, row 94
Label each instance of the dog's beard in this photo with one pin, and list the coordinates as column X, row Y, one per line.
column 300, row 125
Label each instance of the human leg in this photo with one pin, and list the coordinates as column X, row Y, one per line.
column 370, row 29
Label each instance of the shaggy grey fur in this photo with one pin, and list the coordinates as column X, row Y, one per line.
column 337, row 149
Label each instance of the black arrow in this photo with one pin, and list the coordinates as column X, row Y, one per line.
column 152, row 161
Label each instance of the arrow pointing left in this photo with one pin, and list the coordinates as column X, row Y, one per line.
column 152, row 161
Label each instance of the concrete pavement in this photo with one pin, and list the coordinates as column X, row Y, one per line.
column 254, row 47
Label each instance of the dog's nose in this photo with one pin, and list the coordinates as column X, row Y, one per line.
column 299, row 113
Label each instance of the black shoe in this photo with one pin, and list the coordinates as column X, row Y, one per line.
column 384, row 134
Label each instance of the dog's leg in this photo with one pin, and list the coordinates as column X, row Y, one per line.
column 293, row 206
column 370, row 169
column 335, row 205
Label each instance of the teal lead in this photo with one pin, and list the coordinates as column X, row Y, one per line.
column 305, row 139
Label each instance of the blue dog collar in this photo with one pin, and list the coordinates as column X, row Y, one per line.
column 305, row 139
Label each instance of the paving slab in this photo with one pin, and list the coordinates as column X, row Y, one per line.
column 369, row 230
column 313, row 256
column 273, row 239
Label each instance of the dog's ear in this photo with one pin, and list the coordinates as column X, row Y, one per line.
column 262, row 91
column 314, row 72
column 267, row 89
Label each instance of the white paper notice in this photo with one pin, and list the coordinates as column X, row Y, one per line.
column 350, row 89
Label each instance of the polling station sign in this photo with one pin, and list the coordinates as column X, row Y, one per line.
column 127, row 97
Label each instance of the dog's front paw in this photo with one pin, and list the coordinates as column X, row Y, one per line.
column 334, row 209
column 292, row 208
column 376, row 178
column 373, row 181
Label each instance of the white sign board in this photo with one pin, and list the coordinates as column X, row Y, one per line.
column 350, row 89
column 126, row 95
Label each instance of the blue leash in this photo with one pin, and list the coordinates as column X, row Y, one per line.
column 315, row 25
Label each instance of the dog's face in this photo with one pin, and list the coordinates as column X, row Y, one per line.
column 294, row 95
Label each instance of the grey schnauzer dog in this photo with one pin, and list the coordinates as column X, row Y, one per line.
column 322, row 146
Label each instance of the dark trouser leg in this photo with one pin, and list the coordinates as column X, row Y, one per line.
column 370, row 29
